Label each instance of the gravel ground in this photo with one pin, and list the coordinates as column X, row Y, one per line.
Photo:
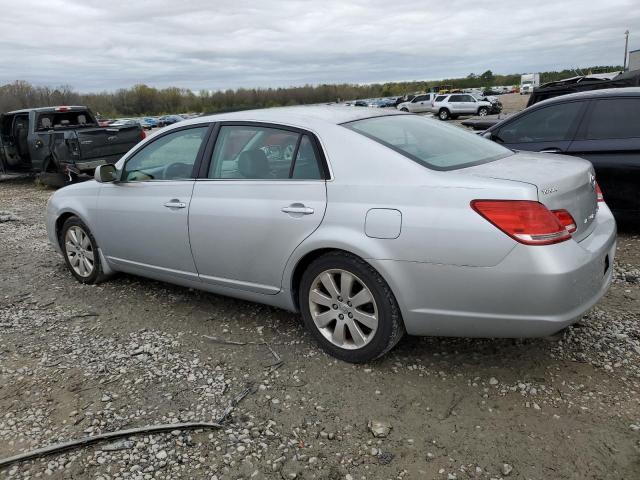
column 82, row 360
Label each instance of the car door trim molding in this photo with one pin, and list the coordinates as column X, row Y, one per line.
column 240, row 285
column 213, row 138
column 156, row 268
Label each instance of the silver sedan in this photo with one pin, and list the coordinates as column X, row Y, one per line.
column 369, row 223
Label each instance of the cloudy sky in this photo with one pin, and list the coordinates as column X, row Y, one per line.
column 217, row 44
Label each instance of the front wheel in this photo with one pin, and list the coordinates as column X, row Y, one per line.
column 483, row 111
column 444, row 114
column 80, row 251
column 349, row 308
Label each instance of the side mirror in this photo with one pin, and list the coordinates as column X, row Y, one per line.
column 105, row 173
column 487, row 135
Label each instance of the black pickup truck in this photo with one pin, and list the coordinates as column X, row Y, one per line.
column 61, row 144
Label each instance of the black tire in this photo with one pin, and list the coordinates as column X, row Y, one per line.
column 390, row 325
column 97, row 275
column 483, row 111
column 404, row 109
column 444, row 114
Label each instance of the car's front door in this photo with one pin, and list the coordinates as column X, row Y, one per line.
column 262, row 193
column 420, row 103
column 610, row 139
column 547, row 129
column 142, row 219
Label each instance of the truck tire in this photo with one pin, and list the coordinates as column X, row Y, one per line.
column 444, row 114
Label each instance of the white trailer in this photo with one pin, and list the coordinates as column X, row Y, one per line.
column 528, row 82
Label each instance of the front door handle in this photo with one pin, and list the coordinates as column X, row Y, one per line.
column 175, row 203
column 297, row 208
column 551, row 150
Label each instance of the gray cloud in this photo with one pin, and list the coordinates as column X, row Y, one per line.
column 95, row 45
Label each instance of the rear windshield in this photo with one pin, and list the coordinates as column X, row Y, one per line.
column 68, row 119
column 429, row 142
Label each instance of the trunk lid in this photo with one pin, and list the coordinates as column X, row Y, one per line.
column 563, row 183
column 98, row 143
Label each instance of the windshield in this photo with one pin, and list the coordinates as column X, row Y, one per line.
column 429, row 142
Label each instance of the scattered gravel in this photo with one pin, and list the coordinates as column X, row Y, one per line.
column 83, row 360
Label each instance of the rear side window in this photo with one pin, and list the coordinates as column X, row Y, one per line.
column 614, row 118
column 548, row 124
column 457, row 98
column 441, row 98
column 429, row 142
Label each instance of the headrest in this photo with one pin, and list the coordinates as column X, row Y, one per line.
column 253, row 164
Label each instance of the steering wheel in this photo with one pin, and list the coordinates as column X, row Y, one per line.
column 177, row 170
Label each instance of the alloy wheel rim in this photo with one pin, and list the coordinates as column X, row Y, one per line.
column 79, row 251
column 483, row 113
column 343, row 309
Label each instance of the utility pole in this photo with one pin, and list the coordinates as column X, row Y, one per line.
column 626, row 45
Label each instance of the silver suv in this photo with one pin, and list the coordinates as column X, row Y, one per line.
column 451, row 105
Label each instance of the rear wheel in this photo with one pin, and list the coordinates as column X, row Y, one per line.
column 80, row 251
column 404, row 109
column 349, row 308
column 444, row 114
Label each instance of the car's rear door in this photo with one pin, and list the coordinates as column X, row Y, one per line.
column 261, row 193
column 546, row 129
column 610, row 139
column 142, row 220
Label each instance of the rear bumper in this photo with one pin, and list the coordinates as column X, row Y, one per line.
column 534, row 291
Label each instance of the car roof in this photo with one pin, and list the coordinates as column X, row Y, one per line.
column 333, row 114
column 588, row 94
column 48, row 109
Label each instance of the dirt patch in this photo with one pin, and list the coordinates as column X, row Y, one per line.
column 80, row 360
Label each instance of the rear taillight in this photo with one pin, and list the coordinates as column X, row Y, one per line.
column 143, row 135
column 599, row 193
column 566, row 220
column 525, row 221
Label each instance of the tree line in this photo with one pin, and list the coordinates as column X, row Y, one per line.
column 145, row 100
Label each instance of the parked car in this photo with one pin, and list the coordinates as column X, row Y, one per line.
column 453, row 105
column 151, row 121
column 169, row 120
column 602, row 126
column 449, row 233
column 419, row 103
column 360, row 103
column 60, row 144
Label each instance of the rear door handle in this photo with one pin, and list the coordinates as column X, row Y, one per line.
column 551, row 150
column 298, row 208
column 175, row 204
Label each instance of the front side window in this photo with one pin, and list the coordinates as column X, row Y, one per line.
column 548, row 124
column 614, row 118
column 429, row 142
column 170, row 157
column 251, row 152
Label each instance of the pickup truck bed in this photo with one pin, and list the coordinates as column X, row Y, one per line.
column 61, row 143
